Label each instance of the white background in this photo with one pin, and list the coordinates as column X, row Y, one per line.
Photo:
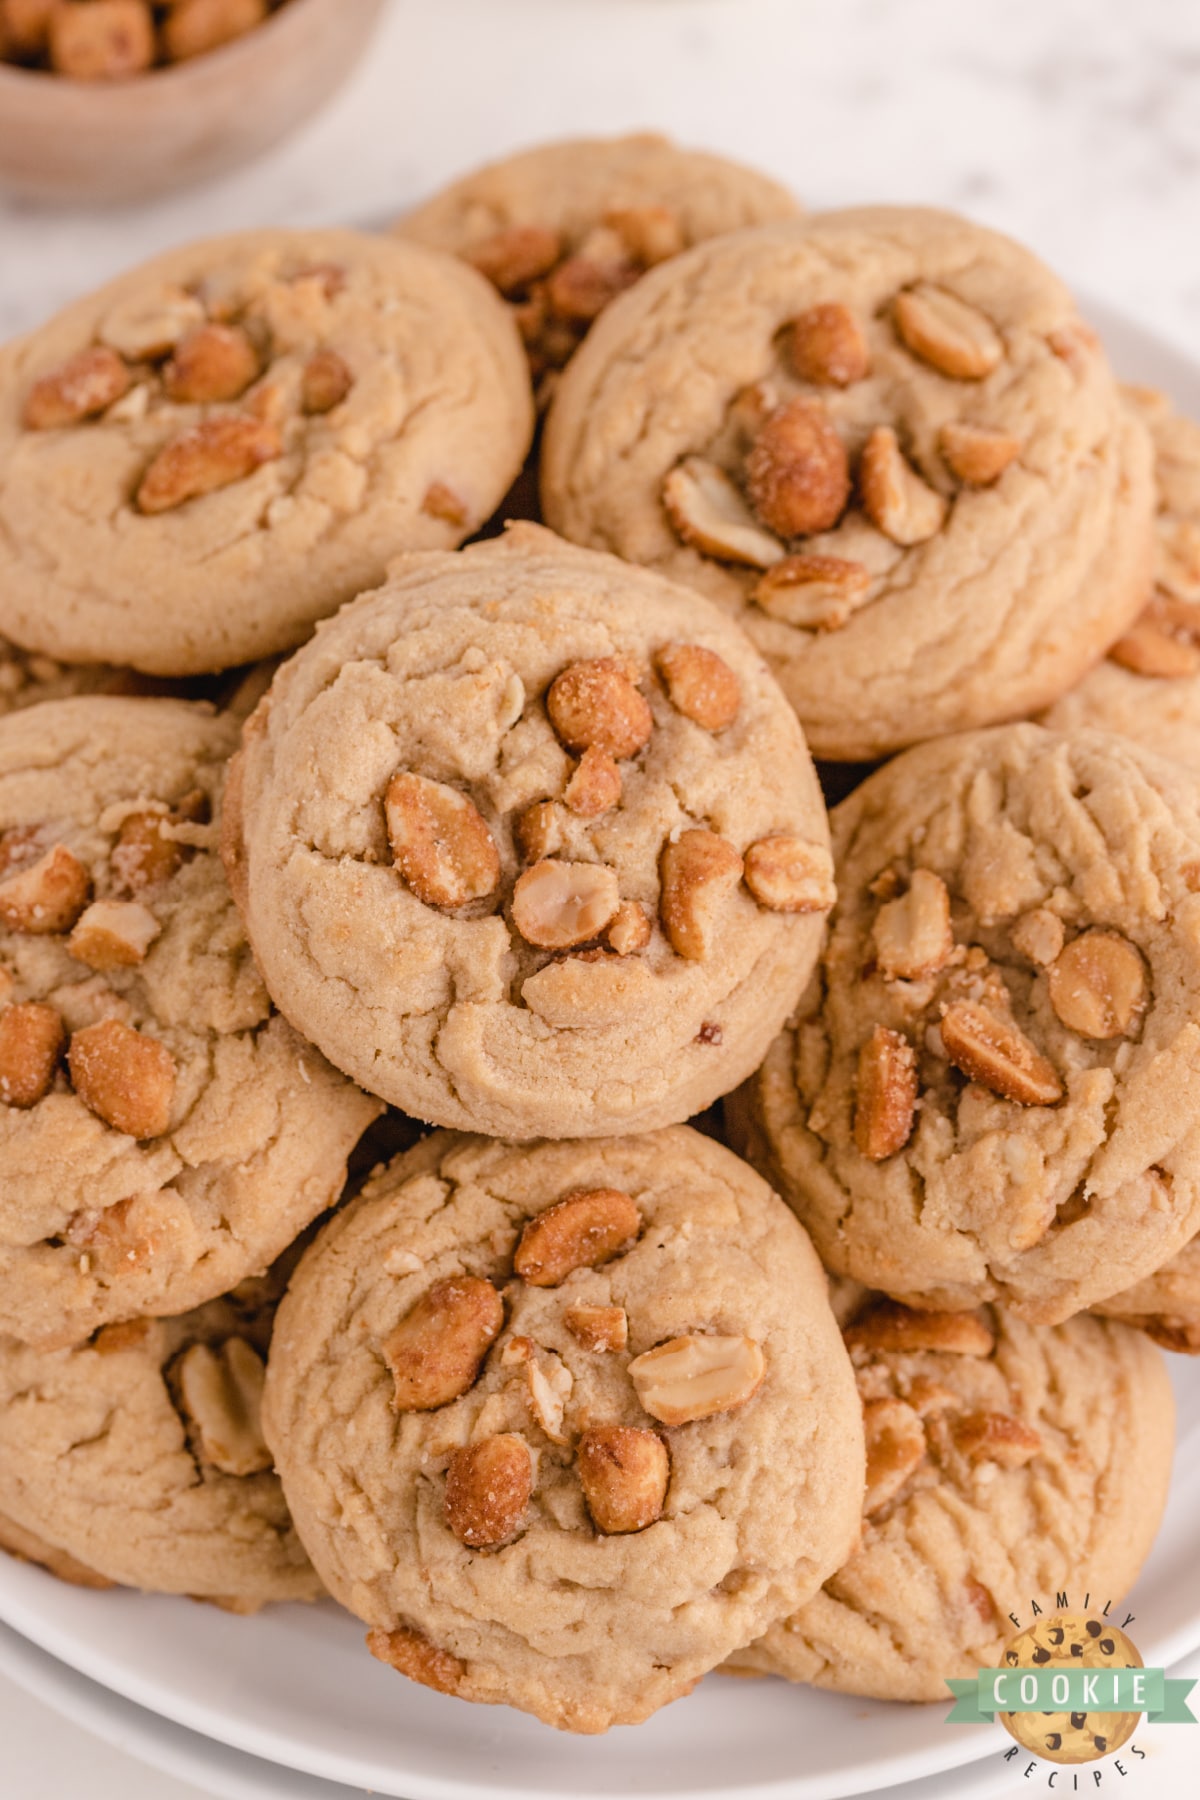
column 1074, row 124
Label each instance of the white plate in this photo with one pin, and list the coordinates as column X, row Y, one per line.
column 296, row 1687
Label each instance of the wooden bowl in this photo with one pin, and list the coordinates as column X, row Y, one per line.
column 75, row 141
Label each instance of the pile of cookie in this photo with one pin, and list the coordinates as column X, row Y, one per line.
column 319, row 829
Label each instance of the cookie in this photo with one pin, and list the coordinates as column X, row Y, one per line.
column 1072, row 1640
column 528, row 842
column 138, row 1458
column 1148, row 687
column 1004, row 1461
column 163, row 1133
column 562, row 229
column 992, row 1090
column 886, row 442
column 204, row 457
column 1166, row 1304
column 565, row 1423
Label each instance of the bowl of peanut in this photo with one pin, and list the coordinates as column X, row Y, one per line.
column 115, row 100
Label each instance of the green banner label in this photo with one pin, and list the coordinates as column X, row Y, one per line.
column 1070, row 1690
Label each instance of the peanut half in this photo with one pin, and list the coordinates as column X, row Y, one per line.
column 995, row 1053
column 124, row 1077
column 787, row 874
column 1098, row 985
column 888, row 1326
column 977, row 454
column 624, row 1472
column 695, row 1376
column 708, row 512
column 814, row 593
column 578, row 1232
column 441, row 844
column 436, row 1350
column 699, row 873
column 324, row 383
column 895, row 498
column 556, row 905
column 886, row 1094
column 700, row 684
column 221, row 1391
column 488, row 1487
column 952, row 336
column 215, row 362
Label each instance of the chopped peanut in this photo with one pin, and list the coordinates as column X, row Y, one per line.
column 890, row 1327
column 411, row 1653
column 46, row 896
column 996, row 1054
column 886, row 1102
column 124, row 1077
column 85, row 385
column 113, row 934
column 699, row 873
column 787, row 874
column 579, row 1232
column 32, row 1037
column 595, row 784
column 598, row 1328
column 816, row 593
column 441, row 843
column 912, row 933
column 630, row 930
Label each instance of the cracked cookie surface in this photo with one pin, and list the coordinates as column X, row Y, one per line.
column 163, row 1133
column 990, row 1090
column 886, row 442
column 560, row 230
column 565, row 1423
column 1148, row 686
column 207, row 455
column 529, row 842
column 138, row 1457
column 1004, row 1461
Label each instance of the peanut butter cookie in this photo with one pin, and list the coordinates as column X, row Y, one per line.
column 139, row 1458
column 992, row 1090
column 564, row 1424
column 1005, row 1462
column 206, row 456
column 1148, row 687
column 561, row 229
column 163, row 1134
column 886, row 442
column 528, row 842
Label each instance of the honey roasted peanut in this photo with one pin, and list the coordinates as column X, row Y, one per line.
column 578, row 1232
column 885, row 1094
column 797, row 472
column 598, row 1328
column 124, row 1077
column 1097, row 984
column 87, row 384
column 113, row 934
column 435, row 1352
column 325, row 381
column 441, row 844
column 624, row 1472
column 700, row 684
column 895, row 1449
column 895, row 498
column 595, row 705
column 488, row 1488
column 556, row 905
column 515, row 257
column 787, row 874
column 890, row 1327
column 952, row 336
column 977, row 454
column 695, row 1376
column 211, row 455
column 411, row 1653
column 221, row 1390
column 699, row 873
column 32, row 1038
column 594, row 786
column 215, row 362
column 46, row 896
column 912, row 933
column 827, row 346
column 708, row 512
column 815, row 593
column 995, row 1053
column 630, row 930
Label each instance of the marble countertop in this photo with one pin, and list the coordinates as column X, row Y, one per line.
column 1074, row 124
